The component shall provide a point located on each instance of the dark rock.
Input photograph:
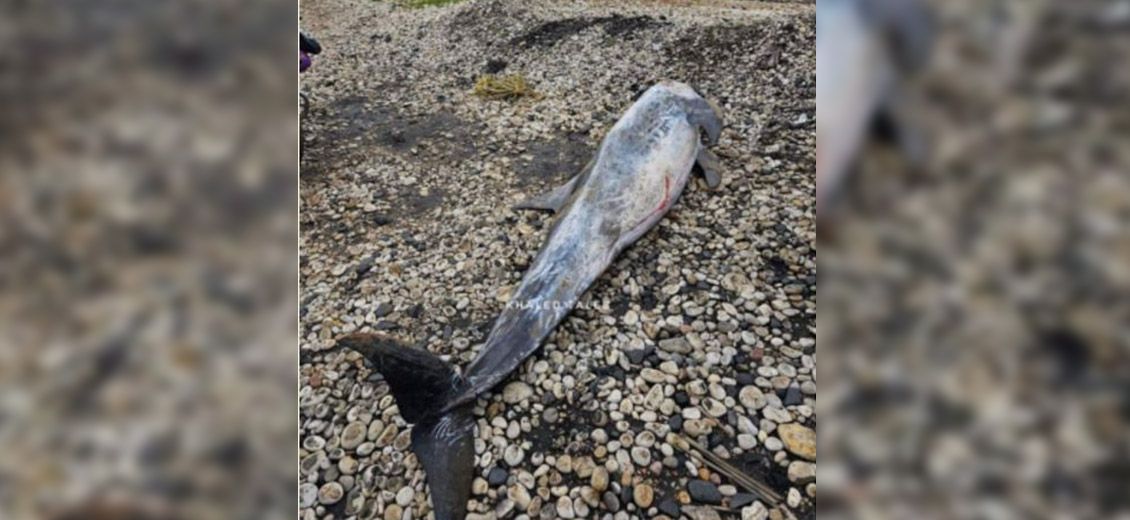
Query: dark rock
(383, 309)
(682, 399)
(676, 423)
(495, 66)
(496, 477)
(745, 379)
(669, 507)
(611, 502)
(717, 438)
(704, 492)
(793, 395)
(741, 500)
(364, 266)
(635, 356)
(626, 495)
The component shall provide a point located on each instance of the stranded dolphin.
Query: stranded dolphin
(637, 175)
(864, 49)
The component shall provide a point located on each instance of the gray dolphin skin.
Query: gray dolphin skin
(864, 49)
(640, 170)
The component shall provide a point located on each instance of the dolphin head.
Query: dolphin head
(701, 112)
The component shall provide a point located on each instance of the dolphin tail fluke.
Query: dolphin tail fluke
(445, 446)
(443, 440)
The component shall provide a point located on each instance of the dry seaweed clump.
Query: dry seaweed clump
(513, 86)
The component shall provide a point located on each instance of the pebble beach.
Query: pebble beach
(702, 330)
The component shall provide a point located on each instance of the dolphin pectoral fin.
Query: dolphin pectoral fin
(556, 198)
(708, 164)
(445, 447)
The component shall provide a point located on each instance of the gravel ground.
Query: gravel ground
(147, 266)
(704, 328)
(979, 304)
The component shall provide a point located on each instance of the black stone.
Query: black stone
(745, 378)
(705, 492)
(495, 66)
(669, 507)
(364, 266)
(635, 356)
(682, 399)
(496, 477)
(793, 396)
(741, 500)
(383, 309)
(676, 423)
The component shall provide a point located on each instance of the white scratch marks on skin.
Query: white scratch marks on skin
(445, 431)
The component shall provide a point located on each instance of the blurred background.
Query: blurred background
(148, 237)
(974, 297)
(973, 231)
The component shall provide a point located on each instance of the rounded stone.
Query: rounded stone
(799, 440)
(801, 472)
(497, 476)
(705, 492)
(641, 456)
(643, 495)
(330, 493)
(752, 398)
(516, 392)
(599, 480)
(747, 441)
(513, 455)
(564, 507)
(404, 496)
(353, 435)
(307, 495)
